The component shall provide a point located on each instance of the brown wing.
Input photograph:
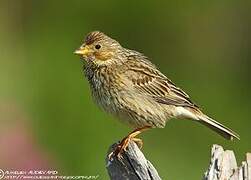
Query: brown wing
(150, 81)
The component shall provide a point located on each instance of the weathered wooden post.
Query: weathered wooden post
(134, 166)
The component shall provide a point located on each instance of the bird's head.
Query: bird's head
(98, 48)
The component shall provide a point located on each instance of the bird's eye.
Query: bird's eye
(97, 46)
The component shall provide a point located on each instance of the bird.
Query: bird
(126, 84)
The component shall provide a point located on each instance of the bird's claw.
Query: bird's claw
(122, 146)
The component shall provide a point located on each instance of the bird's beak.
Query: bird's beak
(82, 51)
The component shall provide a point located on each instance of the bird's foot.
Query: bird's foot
(122, 146)
(139, 142)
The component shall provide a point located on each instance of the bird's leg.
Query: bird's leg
(125, 141)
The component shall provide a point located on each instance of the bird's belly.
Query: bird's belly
(143, 111)
(133, 110)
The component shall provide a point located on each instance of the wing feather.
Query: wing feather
(149, 80)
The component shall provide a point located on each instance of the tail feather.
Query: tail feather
(218, 128)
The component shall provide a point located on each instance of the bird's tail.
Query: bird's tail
(217, 127)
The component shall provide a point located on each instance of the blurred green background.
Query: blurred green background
(45, 102)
